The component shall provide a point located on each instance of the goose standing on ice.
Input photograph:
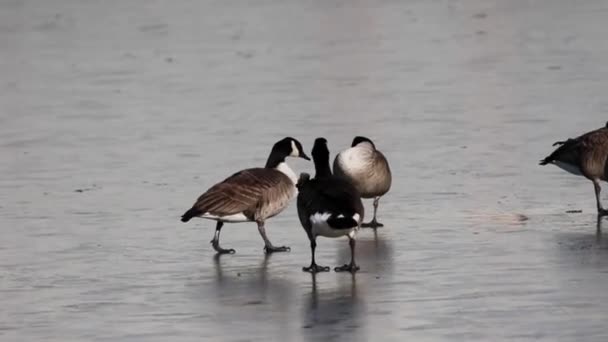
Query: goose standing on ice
(251, 195)
(367, 168)
(584, 156)
(328, 206)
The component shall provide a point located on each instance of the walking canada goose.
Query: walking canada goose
(251, 195)
(367, 168)
(328, 206)
(584, 156)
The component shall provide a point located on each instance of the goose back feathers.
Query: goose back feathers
(365, 167)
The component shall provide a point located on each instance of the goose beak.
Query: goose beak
(304, 156)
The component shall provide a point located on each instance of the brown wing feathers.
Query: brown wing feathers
(239, 193)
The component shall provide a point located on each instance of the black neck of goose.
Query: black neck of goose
(322, 169)
(274, 159)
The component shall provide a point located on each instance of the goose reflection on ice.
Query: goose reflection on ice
(251, 284)
(252, 296)
(583, 247)
(376, 253)
(334, 314)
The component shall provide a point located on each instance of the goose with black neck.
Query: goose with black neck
(587, 156)
(367, 168)
(251, 195)
(328, 206)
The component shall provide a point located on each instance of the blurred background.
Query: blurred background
(116, 115)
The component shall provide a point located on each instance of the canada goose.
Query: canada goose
(367, 168)
(584, 156)
(251, 195)
(328, 206)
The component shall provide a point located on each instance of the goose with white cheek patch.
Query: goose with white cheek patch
(367, 168)
(328, 206)
(584, 156)
(251, 195)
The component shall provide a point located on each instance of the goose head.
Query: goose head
(286, 147)
(362, 140)
(289, 147)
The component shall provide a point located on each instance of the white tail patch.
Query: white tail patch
(319, 218)
(240, 217)
(353, 233)
(573, 169)
(320, 226)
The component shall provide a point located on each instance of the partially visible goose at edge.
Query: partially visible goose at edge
(251, 195)
(328, 206)
(584, 156)
(367, 168)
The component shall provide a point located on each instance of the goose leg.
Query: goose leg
(268, 247)
(314, 268)
(374, 223)
(352, 267)
(600, 210)
(216, 241)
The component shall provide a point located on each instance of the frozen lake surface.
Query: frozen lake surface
(115, 115)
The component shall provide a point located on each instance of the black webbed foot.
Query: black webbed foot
(372, 224)
(220, 250)
(273, 249)
(314, 268)
(352, 268)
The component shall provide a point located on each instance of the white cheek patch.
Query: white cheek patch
(294, 150)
